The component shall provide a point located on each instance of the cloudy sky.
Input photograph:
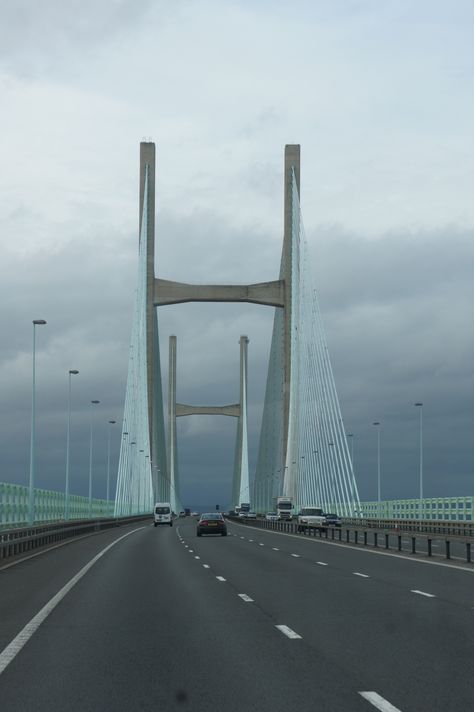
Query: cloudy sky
(379, 93)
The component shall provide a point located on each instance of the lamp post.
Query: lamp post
(31, 496)
(377, 424)
(93, 402)
(111, 422)
(72, 372)
(420, 406)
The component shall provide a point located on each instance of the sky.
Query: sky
(379, 93)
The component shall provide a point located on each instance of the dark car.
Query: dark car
(211, 523)
(333, 520)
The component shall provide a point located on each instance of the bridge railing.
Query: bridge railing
(15, 542)
(49, 506)
(381, 534)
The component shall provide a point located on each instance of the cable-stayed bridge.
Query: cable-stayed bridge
(303, 451)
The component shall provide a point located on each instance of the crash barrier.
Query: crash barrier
(14, 542)
(426, 526)
(360, 535)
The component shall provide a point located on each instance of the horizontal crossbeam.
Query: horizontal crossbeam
(271, 294)
(232, 410)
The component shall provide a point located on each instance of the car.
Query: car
(211, 523)
(271, 516)
(242, 515)
(195, 514)
(182, 513)
(333, 520)
(251, 515)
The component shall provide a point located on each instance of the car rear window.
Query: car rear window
(212, 515)
(162, 510)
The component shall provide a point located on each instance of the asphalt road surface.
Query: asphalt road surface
(163, 620)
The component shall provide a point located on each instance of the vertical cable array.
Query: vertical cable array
(318, 468)
(134, 492)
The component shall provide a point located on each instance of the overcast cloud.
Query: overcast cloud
(379, 93)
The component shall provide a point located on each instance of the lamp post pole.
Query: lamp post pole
(31, 496)
(111, 422)
(420, 406)
(377, 424)
(72, 372)
(93, 402)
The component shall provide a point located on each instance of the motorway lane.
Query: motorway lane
(27, 585)
(360, 610)
(149, 627)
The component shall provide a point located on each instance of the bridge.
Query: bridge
(303, 451)
(107, 612)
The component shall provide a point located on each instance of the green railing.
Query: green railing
(49, 506)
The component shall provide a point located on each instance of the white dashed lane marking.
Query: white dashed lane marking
(206, 566)
(379, 702)
(321, 563)
(220, 578)
(261, 544)
(356, 573)
(423, 593)
(288, 632)
(245, 598)
(197, 557)
(297, 556)
(275, 549)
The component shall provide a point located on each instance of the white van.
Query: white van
(162, 514)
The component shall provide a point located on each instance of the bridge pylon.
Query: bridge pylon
(240, 481)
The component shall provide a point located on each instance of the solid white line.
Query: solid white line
(206, 566)
(220, 578)
(366, 550)
(422, 593)
(380, 702)
(356, 573)
(297, 556)
(321, 563)
(9, 653)
(288, 632)
(245, 598)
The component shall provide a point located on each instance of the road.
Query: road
(257, 620)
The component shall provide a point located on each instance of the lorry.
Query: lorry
(311, 517)
(283, 506)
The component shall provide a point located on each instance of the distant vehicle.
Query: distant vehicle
(251, 515)
(195, 514)
(211, 523)
(271, 516)
(182, 513)
(187, 511)
(333, 520)
(311, 518)
(283, 506)
(242, 515)
(162, 514)
(244, 507)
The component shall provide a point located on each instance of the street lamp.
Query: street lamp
(111, 422)
(31, 502)
(377, 424)
(420, 406)
(93, 402)
(72, 372)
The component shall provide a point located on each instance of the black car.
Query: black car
(211, 523)
(333, 520)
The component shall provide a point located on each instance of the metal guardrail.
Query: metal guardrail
(427, 526)
(376, 537)
(14, 542)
